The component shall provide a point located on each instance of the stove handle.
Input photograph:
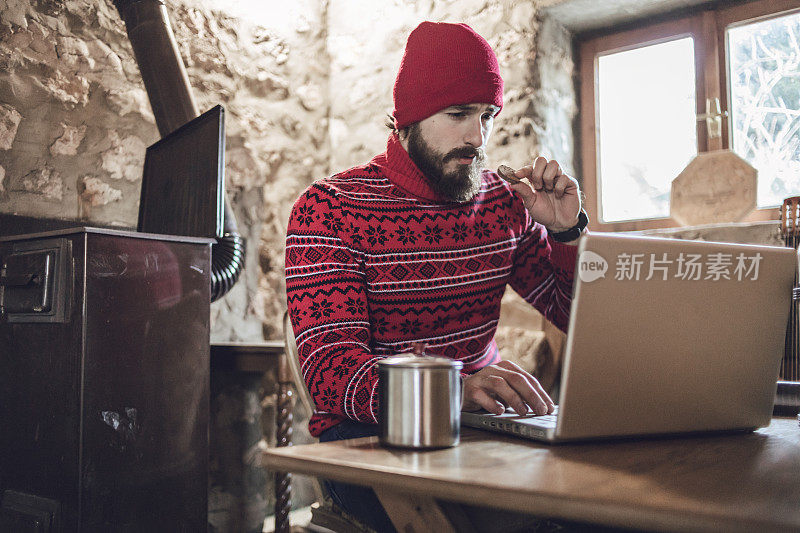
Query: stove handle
(22, 280)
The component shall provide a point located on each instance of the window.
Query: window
(764, 70)
(655, 96)
(644, 166)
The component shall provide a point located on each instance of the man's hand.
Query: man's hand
(555, 199)
(496, 386)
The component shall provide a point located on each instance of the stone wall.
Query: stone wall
(266, 62)
(74, 118)
(75, 122)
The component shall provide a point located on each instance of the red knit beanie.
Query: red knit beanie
(443, 65)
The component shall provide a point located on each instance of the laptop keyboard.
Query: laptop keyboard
(510, 415)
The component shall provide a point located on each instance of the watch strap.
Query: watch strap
(574, 232)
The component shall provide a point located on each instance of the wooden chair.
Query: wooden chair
(289, 378)
(289, 373)
(293, 364)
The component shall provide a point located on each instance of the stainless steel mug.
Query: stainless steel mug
(420, 401)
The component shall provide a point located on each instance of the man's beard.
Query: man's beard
(460, 185)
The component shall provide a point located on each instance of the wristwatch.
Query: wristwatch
(574, 232)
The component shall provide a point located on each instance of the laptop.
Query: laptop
(183, 180)
(665, 337)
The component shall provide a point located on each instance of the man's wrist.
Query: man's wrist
(552, 229)
(572, 233)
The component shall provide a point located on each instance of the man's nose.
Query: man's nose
(475, 135)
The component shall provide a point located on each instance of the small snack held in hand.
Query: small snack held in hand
(507, 173)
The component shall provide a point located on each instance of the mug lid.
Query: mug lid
(415, 361)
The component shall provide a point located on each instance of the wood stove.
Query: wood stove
(104, 380)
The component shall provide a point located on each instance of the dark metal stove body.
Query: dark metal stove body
(104, 383)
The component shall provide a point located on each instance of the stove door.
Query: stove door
(36, 281)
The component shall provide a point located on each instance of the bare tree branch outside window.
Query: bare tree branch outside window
(765, 111)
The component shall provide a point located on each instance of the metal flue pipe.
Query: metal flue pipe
(170, 94)
(160, 63)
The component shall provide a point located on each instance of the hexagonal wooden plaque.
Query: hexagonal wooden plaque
(714, 187)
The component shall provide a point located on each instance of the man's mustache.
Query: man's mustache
(466, 151)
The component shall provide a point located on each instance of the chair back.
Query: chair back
(293, 362)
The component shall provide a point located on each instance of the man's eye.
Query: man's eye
(488, 116)
(458, 114)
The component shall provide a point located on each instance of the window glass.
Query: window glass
(764, 74)
(647, 127)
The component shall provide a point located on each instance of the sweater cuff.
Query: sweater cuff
(563, 255)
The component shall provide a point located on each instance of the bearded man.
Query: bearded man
(418, 245)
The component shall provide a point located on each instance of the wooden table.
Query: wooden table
(743, 482)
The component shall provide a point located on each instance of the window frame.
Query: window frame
(708, 29)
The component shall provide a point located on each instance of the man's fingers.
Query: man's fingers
(529, 390)
(505, 383)
(551, 171)
(560, 185)
(483, 400)
(542, 174)
(540, 401)
(564, 183)
(515, 389)
(526, 194)
(511, 365)
(537, 173)
(501, 386)
(560, 194)
(549, 404)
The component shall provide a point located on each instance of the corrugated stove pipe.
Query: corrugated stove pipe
(170, 94)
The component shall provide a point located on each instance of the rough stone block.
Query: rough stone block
(69, 141)
(244, 171)
(9, 121)
(74, 52)
(105, 57)
(267, 85)
(20, 39)
(41, 47)
(71, 90)
(310, 96)
(125, 158)
(82, 9)
(13, 12)
(123, 101)
(54, 23)
(714, 187)
(44, 181)
(2, 178)
(96, 192)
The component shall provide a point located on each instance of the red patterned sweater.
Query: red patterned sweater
(376, 260)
